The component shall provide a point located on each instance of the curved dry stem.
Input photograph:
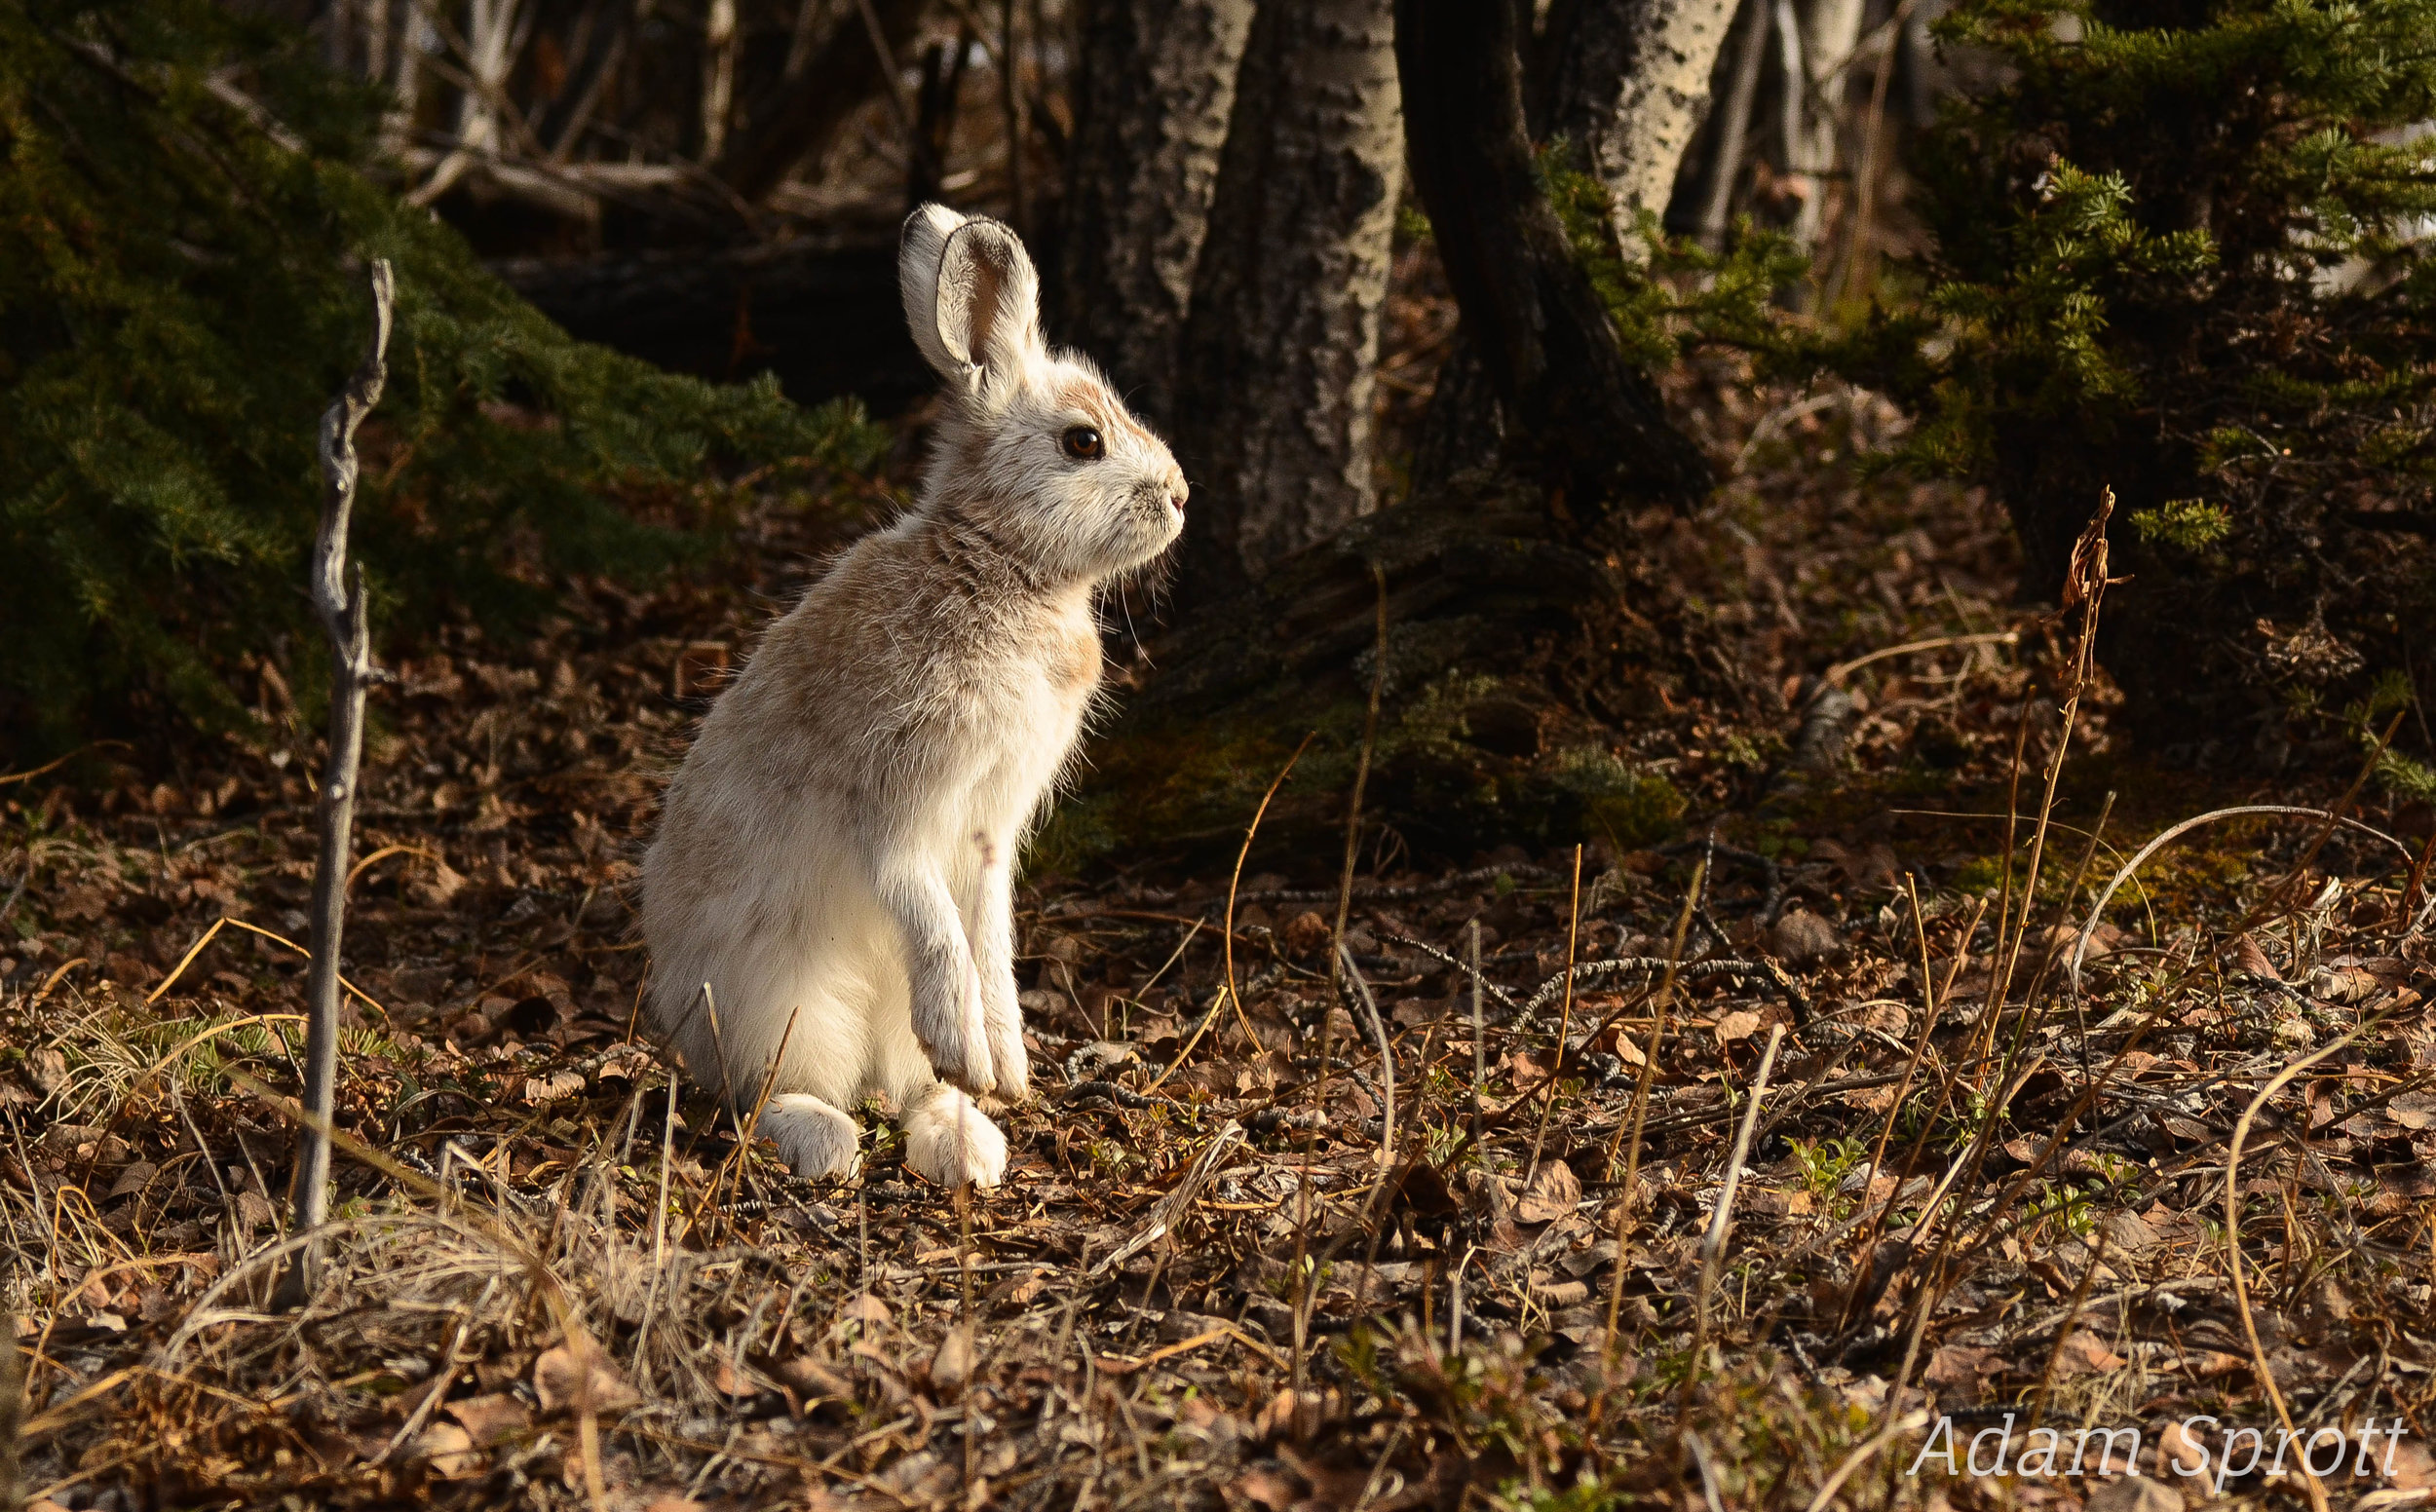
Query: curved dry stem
(2232, 1248)
(2097, 910)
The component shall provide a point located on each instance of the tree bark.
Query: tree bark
(1274, 411)
(795, 119)
(1723, 172)
(1629, 86)
(1574, 414)
(1156, 90)
(1814, 90)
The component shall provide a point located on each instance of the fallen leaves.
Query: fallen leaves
(1554, 1192)
(577, 1377)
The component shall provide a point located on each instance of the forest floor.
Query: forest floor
(1272, 1265)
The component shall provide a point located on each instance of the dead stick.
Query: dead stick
(1713, 1245)
(338, 597)
(2232, 1249)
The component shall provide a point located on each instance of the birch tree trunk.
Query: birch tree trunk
(1151, 110)
(1829, 30)
(1272, 419)
(1629, 86)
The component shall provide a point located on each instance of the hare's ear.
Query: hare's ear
(976, 315)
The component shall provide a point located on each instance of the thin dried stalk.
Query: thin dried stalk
(338, 597)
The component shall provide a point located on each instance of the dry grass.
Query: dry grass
(1968, 1187)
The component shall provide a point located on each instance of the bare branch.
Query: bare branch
(338, 597)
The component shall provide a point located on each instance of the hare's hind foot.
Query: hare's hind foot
(949, 1140)
(814, 1138)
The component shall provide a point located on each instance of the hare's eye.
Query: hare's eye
(1081, 442)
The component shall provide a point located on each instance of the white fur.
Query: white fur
(838, 848)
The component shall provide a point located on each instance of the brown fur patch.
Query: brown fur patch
(1094, 400)
(1082, 662)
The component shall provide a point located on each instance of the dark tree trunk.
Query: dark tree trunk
(1272, 420)
(1509, 647)
(796, 117)
(1151, 108)
(1574, 414)
(934, 119)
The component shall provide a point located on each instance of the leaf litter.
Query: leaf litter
(1216, 1276)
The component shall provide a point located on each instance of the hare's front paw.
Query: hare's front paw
(1008, 1062)
(949, 1140)
(954, 1031)
(816, 1138)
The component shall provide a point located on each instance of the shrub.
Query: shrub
(2177, 250)
(182, 291)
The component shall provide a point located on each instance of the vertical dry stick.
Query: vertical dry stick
(1335, 978)
(1226, 932)
(1641, 1106)
(338, 597)
(1713, 1244)
(1885, 1134)
(1657, 1034)
(1361, 780)
(1563, 1022)
(964, 1324)
(1479, 1037)
(1386, 1056)
(2417, 887)
(718, 78)
(1734, 114)
(658, 1231)
(2084, 589)
(2004, 897)
(897, 102)
(12, 1414)
(2064, 1330)
(2232, 1248)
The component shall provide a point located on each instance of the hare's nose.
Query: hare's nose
(1177, 493)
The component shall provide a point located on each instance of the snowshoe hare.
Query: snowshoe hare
(837, 848)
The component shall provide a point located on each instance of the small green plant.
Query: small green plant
(1672, 296)
(2192, 524)
(1825, 1163)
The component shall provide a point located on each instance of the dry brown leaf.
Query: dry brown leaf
(1960, 1368)
(814, 1380)
(2128, 1233)
(1802, 938)
(2085, 1353)
(490, 1419)
(2251, 960)
(1740, 1024)
(553, 1087)
(580, 1377)
(2135, 1494)
(1554, 1192)
(447, 1448)
(2414, 1466)
(1305, 932)
(951, 1366)
(1527, 1068)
